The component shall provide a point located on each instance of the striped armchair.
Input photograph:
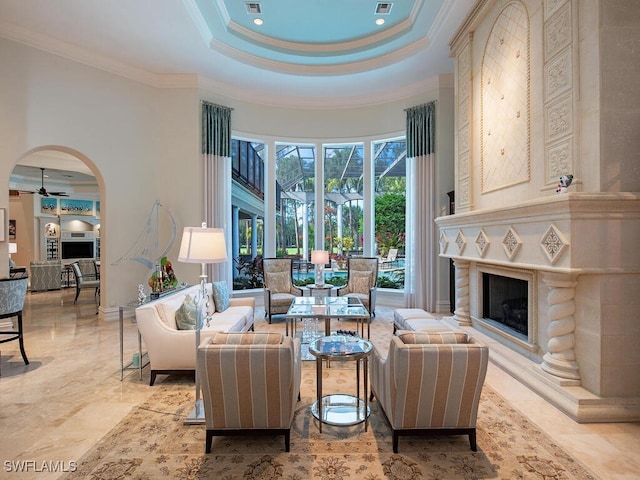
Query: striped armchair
(430, 383)
(250, 384)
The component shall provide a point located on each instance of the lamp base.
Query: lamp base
(196, 417)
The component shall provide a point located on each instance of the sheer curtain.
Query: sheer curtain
(420, 253)
(216, 156)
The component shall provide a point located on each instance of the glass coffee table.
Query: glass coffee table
(342, 409)
(315, 309)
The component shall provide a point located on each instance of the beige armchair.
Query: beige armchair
(430, 383)
(362, 278)
(250, 384)
(279, 290)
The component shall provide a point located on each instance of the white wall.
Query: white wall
(143, 143)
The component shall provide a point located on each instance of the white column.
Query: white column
(461, 313)
(235, 237)
(560, 357)
(305, 231)
(368, 205)
(339, 214)
(319, 198)
(269, 224)
(254, 235)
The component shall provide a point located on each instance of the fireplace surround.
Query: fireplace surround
(578, 256)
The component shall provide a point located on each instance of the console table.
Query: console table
(143, 358)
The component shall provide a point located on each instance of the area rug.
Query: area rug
(152, 443)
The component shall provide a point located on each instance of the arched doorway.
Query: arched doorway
(55, 202)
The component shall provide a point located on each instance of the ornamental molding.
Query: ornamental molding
(482, 243)
(461, 242)
(444, 241)
(511, 243)
(553, 244)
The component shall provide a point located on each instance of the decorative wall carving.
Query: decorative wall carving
(504, 97)
(558, 32)
(444, 241)
(463, 118)
(482, 243)
(560, 119)
(558, 75)
(559, 161)
(552, 6)
(461, 242)
(553, 244)
(511, 243)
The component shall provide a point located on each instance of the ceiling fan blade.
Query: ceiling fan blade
(59, 194)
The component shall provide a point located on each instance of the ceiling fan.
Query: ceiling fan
(43, 191)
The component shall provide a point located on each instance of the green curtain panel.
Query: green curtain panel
(216, 130)
(421, 130)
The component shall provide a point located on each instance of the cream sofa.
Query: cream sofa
(172, 350)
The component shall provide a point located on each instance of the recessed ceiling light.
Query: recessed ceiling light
(258, 21)
(379, 21)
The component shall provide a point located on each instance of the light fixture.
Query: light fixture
(201, 245)
(379, 21)
(13, 248)
(258, 21)
(319, 258)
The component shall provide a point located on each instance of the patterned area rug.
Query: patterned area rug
(152, 443)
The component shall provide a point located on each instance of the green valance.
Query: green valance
(421, 130)
(216, 129)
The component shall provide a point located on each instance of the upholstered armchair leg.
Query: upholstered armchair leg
(77, 293)
(472, 440)
(395, 441)
(21, 340)
(152, 378)
(287, 438)
(209, 441)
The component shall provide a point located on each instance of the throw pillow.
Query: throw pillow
(279, 282)
(220, 296)
(187, 314)
(434, 338)
(359, 281)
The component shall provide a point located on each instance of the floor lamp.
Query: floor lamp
(201, 245)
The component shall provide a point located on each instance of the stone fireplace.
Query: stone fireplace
(529, 109)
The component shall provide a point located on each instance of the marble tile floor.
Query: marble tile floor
(70, 395)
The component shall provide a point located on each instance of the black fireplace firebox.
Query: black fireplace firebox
(505, 301)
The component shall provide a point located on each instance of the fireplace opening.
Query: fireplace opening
(505, 300)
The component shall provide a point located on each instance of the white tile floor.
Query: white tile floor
(71, 395)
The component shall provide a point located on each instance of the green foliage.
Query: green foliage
(250, 274)
(393, 280)
(390, 221)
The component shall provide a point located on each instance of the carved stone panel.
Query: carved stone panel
(558, 32)
(560, 118)
(558, 75)
(559, 161)
(505, 94)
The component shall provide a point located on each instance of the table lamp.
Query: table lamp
(13, 248)
(201, 245)
(319, 258)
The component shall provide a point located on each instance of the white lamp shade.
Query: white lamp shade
(202, 245)
(13, 247)
(319, 257)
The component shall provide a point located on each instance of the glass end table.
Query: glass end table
(342, 409)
